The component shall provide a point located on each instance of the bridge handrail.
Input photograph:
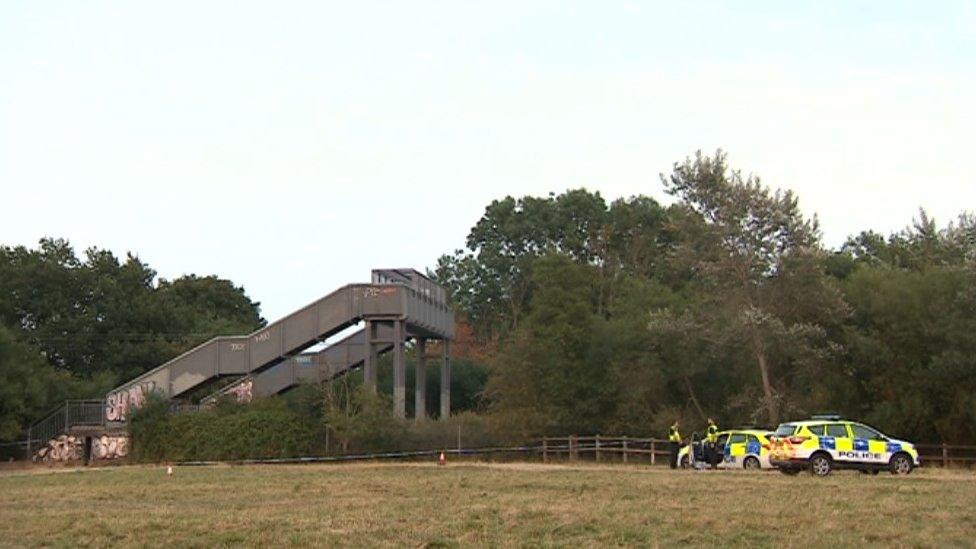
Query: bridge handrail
(59, 420)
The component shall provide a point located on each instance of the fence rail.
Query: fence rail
(627, 448)
(73, 413)
(654, 450)
(624, 449)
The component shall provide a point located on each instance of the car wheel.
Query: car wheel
(820, 465)
(751, 463)
(901, 464)
(789, 471)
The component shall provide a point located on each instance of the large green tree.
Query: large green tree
(491, 281)
(545, 377)
(29, 386)
(756, 265)
(76, 326)
(97, 314)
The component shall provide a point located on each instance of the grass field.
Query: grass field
(481, 504)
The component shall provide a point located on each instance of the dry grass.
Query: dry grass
(480, 504)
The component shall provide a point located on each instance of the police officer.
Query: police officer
(674, 442)
(711, 440)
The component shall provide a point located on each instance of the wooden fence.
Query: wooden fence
(947, 454)
(656, 451)
(625, 449)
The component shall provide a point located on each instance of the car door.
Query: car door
(735, 450)
(753, 446)
(837, 440)
(722, 447)
(870, 446)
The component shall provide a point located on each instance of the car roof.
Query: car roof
(807, 422)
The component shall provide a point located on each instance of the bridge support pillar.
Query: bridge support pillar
(445, 379)
(420, 382)
(399, 371)
(370, 362)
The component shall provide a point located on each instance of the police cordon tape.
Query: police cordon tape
(362, 457)
(554, 448)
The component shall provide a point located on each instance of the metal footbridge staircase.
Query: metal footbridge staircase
(396, 306)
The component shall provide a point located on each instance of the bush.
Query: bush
(264, 429)
(356, 419)
(360, 421)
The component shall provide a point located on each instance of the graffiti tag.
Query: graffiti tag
(118, 404)
(376, 292)
(242, 391)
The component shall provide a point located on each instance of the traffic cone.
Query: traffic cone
(442, 460)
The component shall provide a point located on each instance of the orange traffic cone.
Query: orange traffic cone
(442, 460)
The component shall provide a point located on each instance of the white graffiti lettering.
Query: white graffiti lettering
(118, 404)
(72, 448)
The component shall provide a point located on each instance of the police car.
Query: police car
(824, 443)
(741, 449)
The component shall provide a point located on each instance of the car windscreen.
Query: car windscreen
(785, 430)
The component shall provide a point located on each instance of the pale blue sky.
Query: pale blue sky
(292, 146)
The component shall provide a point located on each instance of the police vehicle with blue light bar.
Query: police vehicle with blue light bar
(824, 443)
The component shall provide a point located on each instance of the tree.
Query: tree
(97, 320)
(912, 343)
(360, 417)
(100, 315)
(922, 244)
(29, 386)
(545, 378)
(756, 265)
(491, 282)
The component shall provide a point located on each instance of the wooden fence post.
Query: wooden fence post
(945, 455)
(572, 448)
(545, 450)
(624, 442)
(596, 446)
(652, 451)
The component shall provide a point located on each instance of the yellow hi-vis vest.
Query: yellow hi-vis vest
(712, 433)
(674, 435)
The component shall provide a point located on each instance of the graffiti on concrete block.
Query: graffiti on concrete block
(242, 391)
(72, 448)
(62, 448)
(109, 447)
(118, 404)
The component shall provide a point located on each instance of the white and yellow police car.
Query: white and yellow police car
(825, 443)
(739, 449)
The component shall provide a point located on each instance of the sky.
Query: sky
(293, 146)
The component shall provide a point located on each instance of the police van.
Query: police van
(827, 442)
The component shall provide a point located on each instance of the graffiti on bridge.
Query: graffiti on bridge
(242, 391)
(72, 448)
(110, 447)
(118, 404)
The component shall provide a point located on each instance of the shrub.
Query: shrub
(266, 428)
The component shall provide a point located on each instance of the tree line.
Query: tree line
(591, 317)
(74, 327)
(620, 317)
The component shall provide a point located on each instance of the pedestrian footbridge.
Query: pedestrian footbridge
(397, 305)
